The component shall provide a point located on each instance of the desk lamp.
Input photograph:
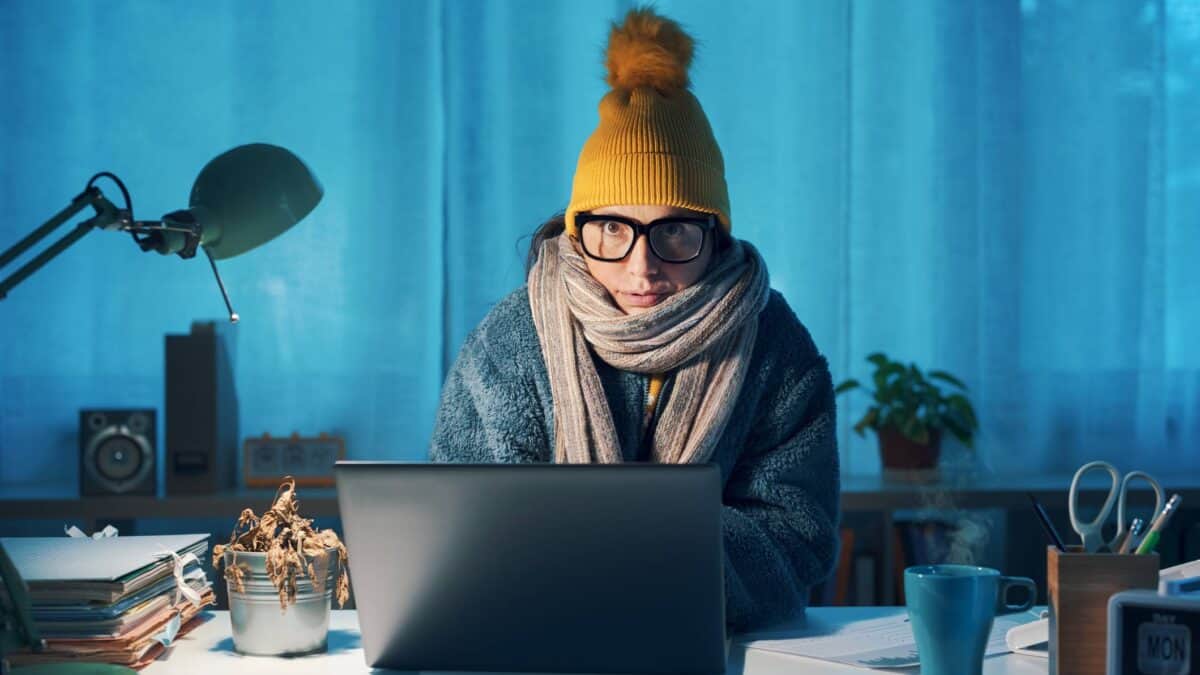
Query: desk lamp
(17, 630)
(241, 200)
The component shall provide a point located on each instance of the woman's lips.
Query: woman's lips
(643, 299)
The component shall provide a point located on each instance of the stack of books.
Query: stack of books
(115, 600)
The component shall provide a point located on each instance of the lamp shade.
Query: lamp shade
(249, 195)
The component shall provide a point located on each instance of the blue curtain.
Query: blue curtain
(1006, 190)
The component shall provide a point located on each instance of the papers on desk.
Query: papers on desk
(873, 643)
(115, 600)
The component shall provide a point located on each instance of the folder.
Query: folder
(111, 600)
(92, 611)
(134, 649)
(67, 627)
(65, 570)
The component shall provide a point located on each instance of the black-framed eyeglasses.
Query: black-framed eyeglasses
(674, 239)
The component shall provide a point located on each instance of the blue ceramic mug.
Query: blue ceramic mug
(951, 608)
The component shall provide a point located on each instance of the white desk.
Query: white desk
(209, 649)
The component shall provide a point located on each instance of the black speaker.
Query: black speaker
(116, 452)
(201, 410)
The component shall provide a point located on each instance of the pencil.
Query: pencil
(1051, 533)
(1135, 528)
(1160, 522)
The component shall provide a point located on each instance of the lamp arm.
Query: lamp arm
(106, 215)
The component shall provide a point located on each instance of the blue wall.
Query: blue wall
(1008, 190)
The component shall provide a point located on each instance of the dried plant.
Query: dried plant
(292, 546)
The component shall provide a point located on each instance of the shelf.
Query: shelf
(859, 494)
(989, 491)
(57, 502)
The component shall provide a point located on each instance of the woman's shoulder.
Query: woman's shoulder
(786, 372)
(507, 330)
(782, 333)
(511, 310)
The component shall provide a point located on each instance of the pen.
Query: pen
(1160, 522)
(1135, 528)
(1046, 524)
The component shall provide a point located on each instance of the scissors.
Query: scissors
(1093, 540)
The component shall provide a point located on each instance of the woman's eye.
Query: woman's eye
(612, 228)
(672, 229)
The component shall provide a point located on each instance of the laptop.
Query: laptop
(536, 567)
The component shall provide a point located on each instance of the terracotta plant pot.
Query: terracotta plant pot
(900, 453)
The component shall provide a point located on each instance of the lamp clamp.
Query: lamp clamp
(184, 221)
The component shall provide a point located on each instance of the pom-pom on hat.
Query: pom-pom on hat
(653, 144)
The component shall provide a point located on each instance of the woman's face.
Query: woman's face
(640, 280)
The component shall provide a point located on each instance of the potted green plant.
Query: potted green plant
(909, 412)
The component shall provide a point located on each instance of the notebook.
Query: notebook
(70, 569)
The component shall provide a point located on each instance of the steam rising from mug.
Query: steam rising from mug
(970, 531)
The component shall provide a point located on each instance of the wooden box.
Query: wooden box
(1080, 586)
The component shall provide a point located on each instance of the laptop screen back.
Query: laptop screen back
(536, 567)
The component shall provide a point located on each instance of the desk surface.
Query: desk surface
(209, 649)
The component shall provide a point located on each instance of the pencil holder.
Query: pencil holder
(1080, 585)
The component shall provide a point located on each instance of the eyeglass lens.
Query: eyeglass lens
(672, 241)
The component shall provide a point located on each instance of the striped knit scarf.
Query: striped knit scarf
(706, 331)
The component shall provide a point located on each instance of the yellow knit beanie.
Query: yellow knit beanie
(653, 144)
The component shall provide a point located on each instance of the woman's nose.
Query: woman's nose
(641, 260)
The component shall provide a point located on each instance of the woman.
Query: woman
(646, 332)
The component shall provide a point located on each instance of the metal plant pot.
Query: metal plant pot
(260, 627)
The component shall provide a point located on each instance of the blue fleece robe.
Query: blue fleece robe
(778, 454)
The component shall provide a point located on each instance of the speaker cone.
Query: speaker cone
(118, 458)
